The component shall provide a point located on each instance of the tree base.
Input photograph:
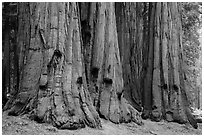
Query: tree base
(118, 110)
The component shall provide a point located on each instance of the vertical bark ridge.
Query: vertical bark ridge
(80, 60)
(107, 65)
(156, 82)
(54, 80)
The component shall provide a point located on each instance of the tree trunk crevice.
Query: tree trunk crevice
(79, 62)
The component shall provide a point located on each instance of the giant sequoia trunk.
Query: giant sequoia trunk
(158, 65)
(103, 65)
(10, 76)
(131, 27)
(76, 62)
(52, 87)
(58, 84)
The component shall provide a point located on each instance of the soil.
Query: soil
(16, 125)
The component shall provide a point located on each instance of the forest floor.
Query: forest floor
(23, 126)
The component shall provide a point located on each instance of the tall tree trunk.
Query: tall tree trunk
(168, 82)
(52, 87)
(78, 62)
(10, 54)
(130, 35)
(6, 67)
(104, 67)
(161, 75)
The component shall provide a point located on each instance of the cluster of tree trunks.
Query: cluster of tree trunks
(150, 41)
(77, 62)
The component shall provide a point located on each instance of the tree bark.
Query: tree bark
(160, 69)
(10, 57)
(104, 67)
(79, 61)
(168, 74)
(52, 85)
(130, 34)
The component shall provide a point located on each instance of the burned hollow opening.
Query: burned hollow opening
(107, 82)
(79, 80)
(57, 53)
(55, 59)
(94, 72)
(165, 86)
(175, 87)
(119, 94)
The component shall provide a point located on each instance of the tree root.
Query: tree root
(119, 110)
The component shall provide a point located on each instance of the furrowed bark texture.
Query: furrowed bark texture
(167, 90)
(52, 77)
(158, 71)
(74, 62)
(163, 93)
(130, 37)
(10, 57)
(104, 68)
